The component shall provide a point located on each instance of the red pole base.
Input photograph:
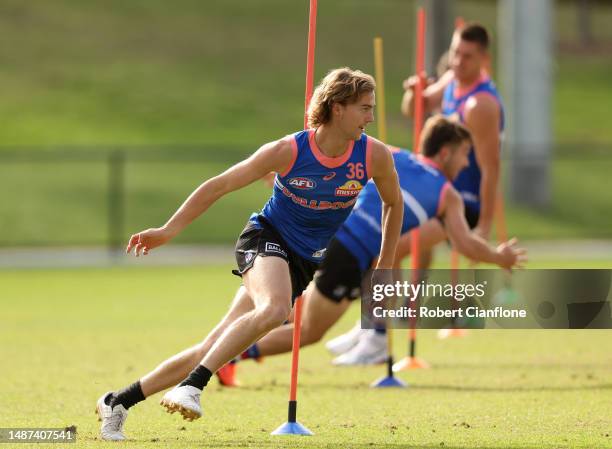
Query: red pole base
(410, 363)
(452, 333)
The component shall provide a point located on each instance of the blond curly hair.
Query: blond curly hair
(342, 86)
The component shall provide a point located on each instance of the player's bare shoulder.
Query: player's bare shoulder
(380, 158)
(452, 196)
(281, 148)
(481, 105)
(451, 201)
(278, 154)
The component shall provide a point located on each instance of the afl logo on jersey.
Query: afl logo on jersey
(349, 188)
(302, 183)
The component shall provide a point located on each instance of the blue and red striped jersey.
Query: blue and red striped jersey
(316, 193)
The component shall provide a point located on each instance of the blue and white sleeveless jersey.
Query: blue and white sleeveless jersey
(422, 185)
(316, 193)
(453, 105)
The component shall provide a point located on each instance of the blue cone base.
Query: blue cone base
(388, 381)
(292, 428)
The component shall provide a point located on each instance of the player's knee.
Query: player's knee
(311, 334)
(273, 314)
(200, 351)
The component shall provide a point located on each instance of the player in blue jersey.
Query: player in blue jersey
(427, 193)
(467, 94)
(320, 172)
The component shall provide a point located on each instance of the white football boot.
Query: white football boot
(345, 342)
(185, 400)
(370, 350)
(112, 419)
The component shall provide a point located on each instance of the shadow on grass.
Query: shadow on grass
(293, 442)
(517, 365)
(440, 387)
(511, 389)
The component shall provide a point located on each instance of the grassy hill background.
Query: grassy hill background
(189, 87)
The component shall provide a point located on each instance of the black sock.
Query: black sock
(198, 378)
(129, 396)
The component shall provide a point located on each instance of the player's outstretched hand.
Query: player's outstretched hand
(512, 256)
(145, 241)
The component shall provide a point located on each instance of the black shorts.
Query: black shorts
(265, 241)
(339, 275)
(471, 216)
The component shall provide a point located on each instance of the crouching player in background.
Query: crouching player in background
(427, 193)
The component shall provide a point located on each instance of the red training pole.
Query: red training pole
(412, 362)
(419, 112)
(454, 257)
(312, 34)
(292, 427)
(297, 321)
(295, 352)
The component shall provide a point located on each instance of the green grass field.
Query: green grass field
(66, 336)
(203, 82)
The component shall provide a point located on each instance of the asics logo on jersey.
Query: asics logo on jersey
(329, 176)
(349, 188)
(302, 183)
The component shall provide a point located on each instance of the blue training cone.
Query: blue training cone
(292, 428)
(388, 381)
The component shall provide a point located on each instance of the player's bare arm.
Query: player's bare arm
(470, 244)
(273, 156)
(402, 250)
(432, 95)
(482, 116)
(385, 178)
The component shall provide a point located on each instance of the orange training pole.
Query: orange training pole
(295, 350)
(312, 33)
(412, 362)
(454, 257)
(292, 427)
(419, 111)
